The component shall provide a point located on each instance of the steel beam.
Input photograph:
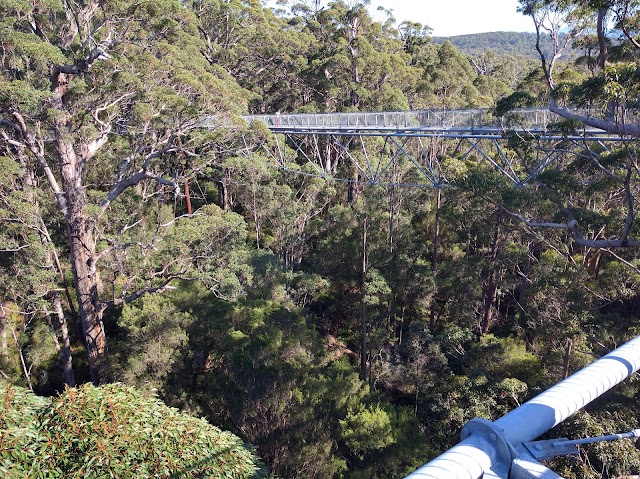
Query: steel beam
(497, 448)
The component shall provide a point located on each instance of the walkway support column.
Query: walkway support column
(498, 449)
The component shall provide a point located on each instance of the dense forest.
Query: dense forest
(335, 329)
(503, 43)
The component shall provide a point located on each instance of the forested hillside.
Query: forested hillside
(345, 330)
(503, 43)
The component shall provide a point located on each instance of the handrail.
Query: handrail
(498, 449)
(476, 119)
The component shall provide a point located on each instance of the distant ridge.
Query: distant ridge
(504, 43)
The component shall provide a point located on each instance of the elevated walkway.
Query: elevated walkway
(368, 147)
(430, 122)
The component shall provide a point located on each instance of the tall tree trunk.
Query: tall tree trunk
(353, 191)
(52, 261)
(363, 347)
(489, 298)
(187, 195)
(603, 57)
(522, 298)
(525, 275)
(490, 289)
(567, 358)
(434, 258)
(23, 362)
(64, 350)
(81, 248)
(392, 212)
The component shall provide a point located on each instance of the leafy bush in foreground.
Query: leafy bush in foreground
(113, 431)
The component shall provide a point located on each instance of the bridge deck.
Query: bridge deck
(420, 122)
(408, 138)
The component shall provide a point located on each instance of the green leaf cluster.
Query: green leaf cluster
(112, 431)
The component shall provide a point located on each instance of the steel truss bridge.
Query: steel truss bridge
(436, 144)
(519, 146)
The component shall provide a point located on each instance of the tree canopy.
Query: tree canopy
(344, 329)
(113, 430)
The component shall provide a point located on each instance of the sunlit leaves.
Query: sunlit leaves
(89, 432)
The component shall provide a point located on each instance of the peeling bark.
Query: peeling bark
(82, 246)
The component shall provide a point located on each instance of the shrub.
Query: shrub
(113, 431)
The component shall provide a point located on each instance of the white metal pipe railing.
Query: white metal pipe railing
(492, 448)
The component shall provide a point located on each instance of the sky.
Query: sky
(453, 17)
(458, 17)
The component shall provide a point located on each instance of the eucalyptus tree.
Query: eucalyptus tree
(263, 52)
(448, 81)
(605, 99)
(32, 280)
(101, 101)
(357, 63)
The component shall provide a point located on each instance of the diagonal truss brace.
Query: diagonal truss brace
(409, 147)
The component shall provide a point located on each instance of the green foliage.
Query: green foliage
(154, 333)
(467, 310)
(366, 429)
(504, 43)
(508, 358)
(448, 82)
(113, 431)
(20, 438)
(518, 99)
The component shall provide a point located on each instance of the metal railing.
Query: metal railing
(437, 120)
(503, 448)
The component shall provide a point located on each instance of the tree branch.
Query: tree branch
(37, 150)
(622, 260)
(141, 292)
(572, 227)
(122, 186)
(14, 250)
(120, 247)
(605, 125)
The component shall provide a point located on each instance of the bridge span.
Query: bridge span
(437, 148)
(440, 147)
(368, 147)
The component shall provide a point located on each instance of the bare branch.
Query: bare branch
(120, 247)
(605, 125)
(622, 15)
(14, 250)
(169, 223)
(125, 228)
(572, 227)
(37, 150)
(629, 200)
(132, 297)
(90, 149)
(594, 158)
(622, 260)
(122, 186)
